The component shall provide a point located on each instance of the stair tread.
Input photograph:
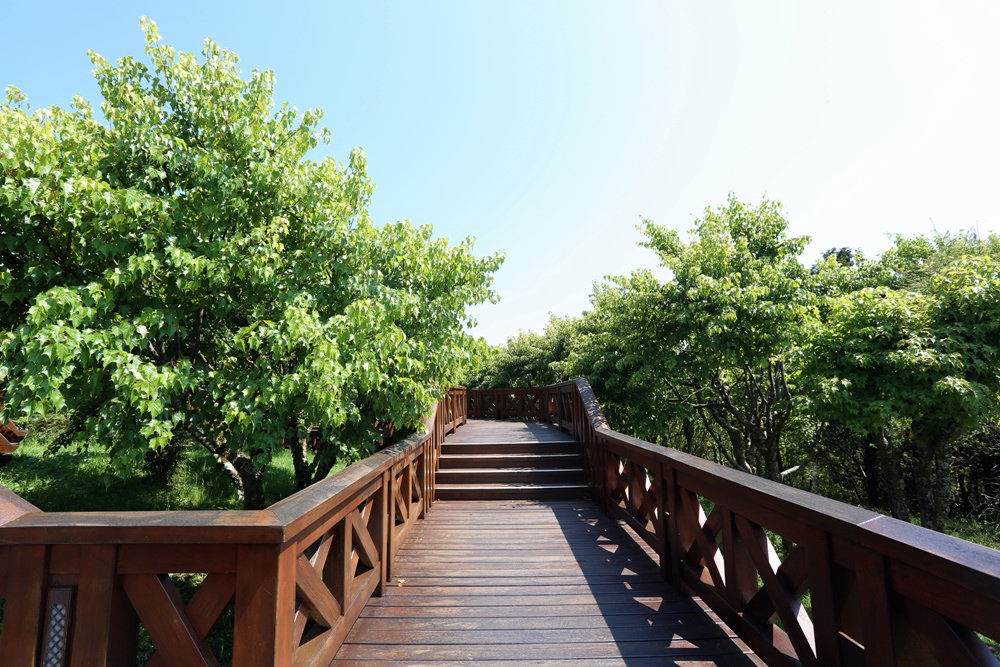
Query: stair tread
(513, 442)
(520, 448)
(509, 485)
(474, 471)
(486, 465)
(512, 455)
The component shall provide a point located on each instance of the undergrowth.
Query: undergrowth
(75, 479)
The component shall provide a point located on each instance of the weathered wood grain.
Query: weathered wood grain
(470, 585)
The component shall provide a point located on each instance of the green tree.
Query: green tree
(529, 359)
(183, 267)
(913, 372)
(621, 348)
(912, 261)
(869, 365)
(737, 307)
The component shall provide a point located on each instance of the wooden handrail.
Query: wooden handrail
(880, 591)
(77, 585)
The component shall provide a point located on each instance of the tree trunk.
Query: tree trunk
(869, 466)
(688, 426)
(300, 461)
(323, 466)
(299, 447)
(942, 488)
(934, 482)
(252, 483)
(895, 494)
(238, 467)
(769, 445)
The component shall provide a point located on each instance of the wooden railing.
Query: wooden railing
(77, 585)
(850, 587)
(505, 403)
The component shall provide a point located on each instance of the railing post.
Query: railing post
(598, 470)
(423, 476)
(824, 610)
(24, 605)
(338, 565)
(875, 612)
(673, 528)
(124, 639)
(663, 502)
(94, 595)
(609, 470)
(383, 510)
(390, 517)
(264, 606)
(741, 575)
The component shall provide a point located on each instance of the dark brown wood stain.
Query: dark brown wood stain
(508, 582)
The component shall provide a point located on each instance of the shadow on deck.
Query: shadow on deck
(501, 582)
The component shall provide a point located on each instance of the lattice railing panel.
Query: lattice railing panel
(632, 491)
(733, 563)
(178, 628)
(280, 586)
(506, 403)
(334, 575)
(801, 579)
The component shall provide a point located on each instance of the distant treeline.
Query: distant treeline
(870, 380)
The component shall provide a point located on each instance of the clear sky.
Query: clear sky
(548, 129)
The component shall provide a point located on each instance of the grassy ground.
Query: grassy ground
(72, 480)
(980, 532)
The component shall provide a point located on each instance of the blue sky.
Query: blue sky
(548, 129)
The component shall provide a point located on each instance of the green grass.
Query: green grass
(80, 480)
(980, 532)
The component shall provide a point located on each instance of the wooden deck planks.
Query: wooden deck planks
(479, 431)
(532, 583)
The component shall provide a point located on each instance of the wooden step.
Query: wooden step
(512, 471)
(524, 447)
(477, 476)
(510, 460)
(511, 491)
(504, 460)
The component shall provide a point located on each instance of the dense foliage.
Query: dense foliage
(874, 381)
(527, 360)
(182, 268)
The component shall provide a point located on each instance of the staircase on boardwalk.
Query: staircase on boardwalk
(486, 460)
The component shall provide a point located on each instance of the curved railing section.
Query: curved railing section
(802, 579)
(77, 585)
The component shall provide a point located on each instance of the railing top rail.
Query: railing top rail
(173, 527)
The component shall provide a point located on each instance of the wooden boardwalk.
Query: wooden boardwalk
(520, 582)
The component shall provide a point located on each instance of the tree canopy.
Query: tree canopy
(528, 359)
(182, 266)
(736, 306)
(857, 377)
